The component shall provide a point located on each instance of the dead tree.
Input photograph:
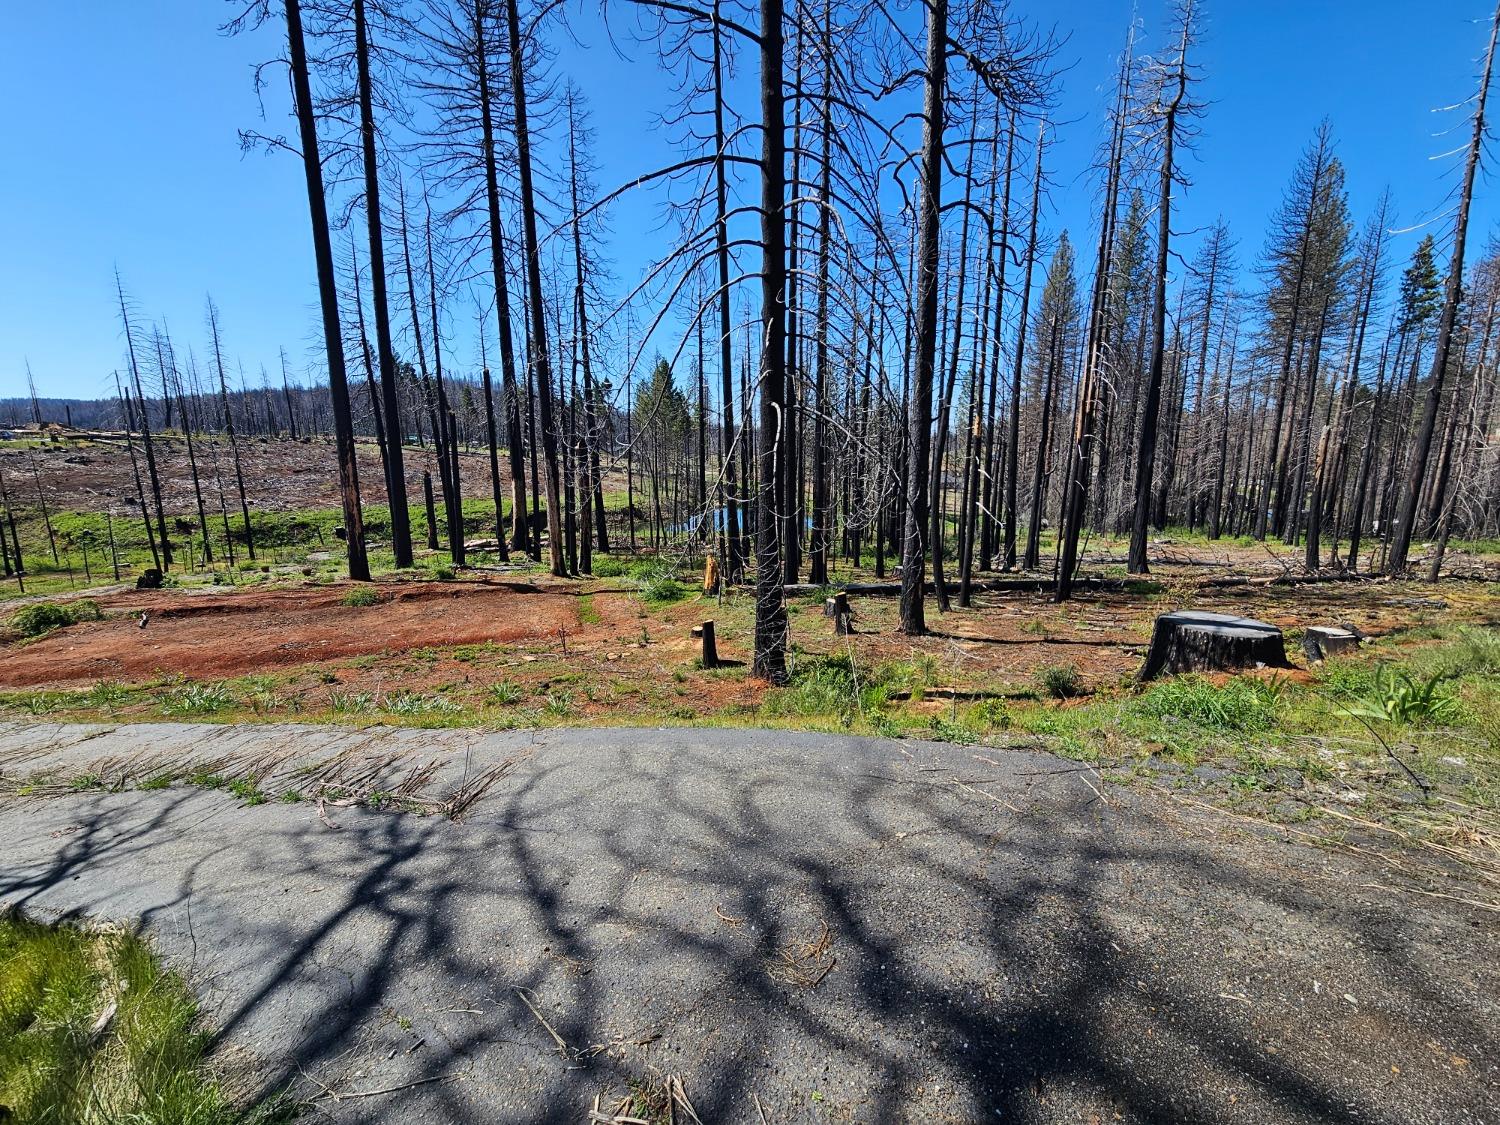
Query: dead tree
(354, 529)
(1146, 442)
(395, 434)
(1452, 296)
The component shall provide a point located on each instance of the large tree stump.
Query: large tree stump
(1190, 641)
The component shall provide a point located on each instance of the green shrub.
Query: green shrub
(609, 566)
(661, 587)
(361, 596)
(1061, 681)
(991, 713)
(1242, 704)
(443, 573)
(43, 617)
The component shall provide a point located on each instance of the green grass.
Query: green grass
(362, 596)
(588, 613)
(1241, 705)
(62, 1061)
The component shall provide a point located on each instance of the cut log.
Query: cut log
(710, 647)
(1190, 641)
(986, 586)
(1321, 642)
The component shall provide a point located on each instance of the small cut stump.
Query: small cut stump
(705, 633)
(1190, 641)
(1321, 642)
(838, 610)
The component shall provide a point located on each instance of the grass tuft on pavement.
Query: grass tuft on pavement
(93, 1030)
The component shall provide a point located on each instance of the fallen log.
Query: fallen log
(1193, 641)
(988, 586)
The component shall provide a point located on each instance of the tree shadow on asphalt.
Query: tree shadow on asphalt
(1005, 945)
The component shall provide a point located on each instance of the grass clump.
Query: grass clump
(62, 1060)
(412, 703)
(1061, 681)
(362, 597)
(42, 617)
(198, 699)
(1242, 705)
(507, 693)
(829, 687)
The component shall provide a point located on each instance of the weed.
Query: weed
(1344, 679)
(558, 704)
(409, 703)
(945, 730)
(506, 693)
(362, 596)
(443, 573)
(246, 790)
(351, 702)
(157, 781)
(198, 699)
(1396, 697)
(1061, 681)
(1475, 652)
(992, 714)
(86, 781)
(106, 693)
(823, 686)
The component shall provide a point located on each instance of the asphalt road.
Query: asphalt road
(799, 927)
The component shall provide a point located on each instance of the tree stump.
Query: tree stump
(1320, 642)
(1190, 641)
(837, 607)
(150, 579)
(710, 648)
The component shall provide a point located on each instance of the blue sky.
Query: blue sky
(119, 134)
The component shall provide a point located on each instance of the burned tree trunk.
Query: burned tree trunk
(359, 567)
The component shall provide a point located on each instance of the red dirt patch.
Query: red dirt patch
(216, 636)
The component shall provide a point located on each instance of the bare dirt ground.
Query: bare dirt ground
(280, 475)
(211, 636)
